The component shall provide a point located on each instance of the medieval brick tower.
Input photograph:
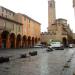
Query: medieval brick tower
(51, 14)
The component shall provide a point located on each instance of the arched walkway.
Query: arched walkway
(12, 40)
(24, 41)
(4, 37)
(0, 42)
(33, 42)
(29, 41)
(18, 41)
(36, 40)
(73, 41)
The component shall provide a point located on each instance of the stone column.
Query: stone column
(26, 43)
(21, 43)
(0, 42)
(8, 42)
(15, 42)
(30, 43)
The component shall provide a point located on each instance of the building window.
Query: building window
(2, 14)
(9, 13)
(50, 4)
(13, 26)
(29, 25)
(53, 24)
(6, 16)
(2, 9)
(54, 33)
(5, 25)
(29, 20)
(19, 29)
(6, 12)
(25, 18)
(13, 14)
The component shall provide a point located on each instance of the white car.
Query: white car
(57, 45)
(70, 45)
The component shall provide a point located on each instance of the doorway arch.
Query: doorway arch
(12, 40)
(64, 42)
(18, 41)
(36, 40)
(29, 41)
(33, 41)
(4, 37)
(24, 41)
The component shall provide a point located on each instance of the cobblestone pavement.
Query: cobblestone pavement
(45, 63)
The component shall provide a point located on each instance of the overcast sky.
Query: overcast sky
(38, 10)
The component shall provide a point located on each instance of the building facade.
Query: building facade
(31, 30)
(58, 29)
(9, 28)
(15, 31)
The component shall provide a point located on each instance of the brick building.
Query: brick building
(31, 30)
(15, 32)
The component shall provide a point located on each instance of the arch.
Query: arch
(4, 37)
(24, 41)
(4, 34)
(12, 40)
(36, 40)
(33, 42)
(18, 41)
(73, 41)
(29, 41)
(0, 41)
(24, 38)
(18, 37)
(64, 42)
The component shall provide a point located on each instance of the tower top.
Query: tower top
(73, 3)
(50, 0)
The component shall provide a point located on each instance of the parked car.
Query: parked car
(38, 46)
(70, 45)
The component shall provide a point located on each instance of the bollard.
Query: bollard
(66, 66)
(33, 53)
(1, 60)
(73, 73)
(4, 59)
(69, 60)
(49, 50)
(23, 56)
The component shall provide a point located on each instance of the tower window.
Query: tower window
(53, 24)
(50, 4)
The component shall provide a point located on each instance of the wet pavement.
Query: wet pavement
(44, 63)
